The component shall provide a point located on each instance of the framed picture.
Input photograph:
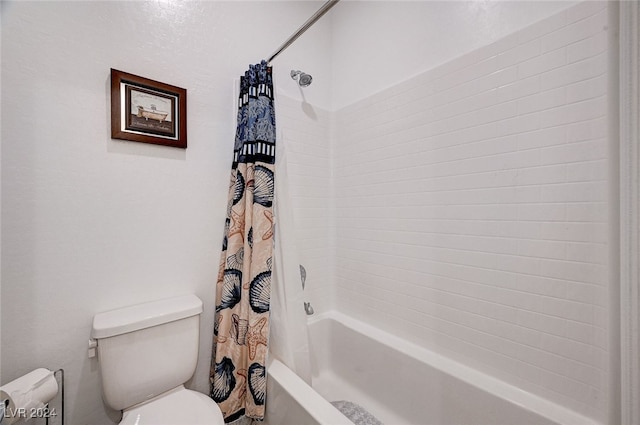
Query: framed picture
(147, 111)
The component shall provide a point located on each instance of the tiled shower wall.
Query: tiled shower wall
(471, 208)
(305, 132)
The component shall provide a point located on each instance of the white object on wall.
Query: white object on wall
(27, 395)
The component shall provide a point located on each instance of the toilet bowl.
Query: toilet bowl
(175, 407)
(146, 353)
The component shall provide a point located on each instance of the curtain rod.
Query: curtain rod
(312, 20)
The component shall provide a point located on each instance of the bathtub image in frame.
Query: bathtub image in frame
(147, 111)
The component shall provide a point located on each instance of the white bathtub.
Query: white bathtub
(398, 382)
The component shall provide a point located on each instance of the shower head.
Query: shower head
(303, 79)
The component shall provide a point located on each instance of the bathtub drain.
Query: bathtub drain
(356, 413)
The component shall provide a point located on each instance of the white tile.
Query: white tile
(573, 73)
(520, 88)
(587, 171)
(521, 124)
(542, 249)
(588, 253)
(572, 33)
(519, 54)
(495, 113)
(587, 89)
(541, 101)
(571, 232)
(542, 322)
(540, 138)
(470, 208)
(587, 130)
(539, 285)
(587, 48)
(468, 73)
(580, 332)
(542, 212)
(569, 153)
(579, 272)
(575, 192)
(588, 211)
(545, 62)
(581, 111)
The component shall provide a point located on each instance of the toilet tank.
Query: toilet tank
(147, 349)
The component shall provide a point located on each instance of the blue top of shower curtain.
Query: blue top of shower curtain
(256, 132)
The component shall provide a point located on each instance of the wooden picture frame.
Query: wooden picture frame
(147, 111)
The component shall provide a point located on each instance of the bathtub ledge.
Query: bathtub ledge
(316, 406)
(543, 407)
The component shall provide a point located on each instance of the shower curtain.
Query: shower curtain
(243, 289)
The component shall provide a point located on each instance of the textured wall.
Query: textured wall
(89, 223)
(472, 209)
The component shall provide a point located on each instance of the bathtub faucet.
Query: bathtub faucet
(308, 308)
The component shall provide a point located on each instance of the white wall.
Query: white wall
(472, 207)
(376, 44)
(90, 223)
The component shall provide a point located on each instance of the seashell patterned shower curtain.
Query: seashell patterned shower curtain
(243, 289)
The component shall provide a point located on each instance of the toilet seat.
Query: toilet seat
(178, 406)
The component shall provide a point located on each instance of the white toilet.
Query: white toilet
(146, 353)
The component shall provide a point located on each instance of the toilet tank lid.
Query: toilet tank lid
(141, 316)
